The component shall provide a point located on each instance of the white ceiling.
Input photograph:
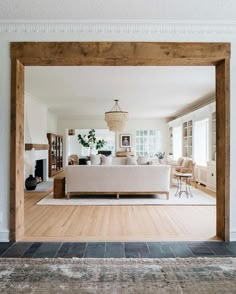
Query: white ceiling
(121, 10)
(76, 92)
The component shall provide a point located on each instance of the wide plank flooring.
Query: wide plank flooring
(117, 223)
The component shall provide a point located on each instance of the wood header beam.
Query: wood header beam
(118, 53)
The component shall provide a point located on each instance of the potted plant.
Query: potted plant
(90, 141)
(161, 156)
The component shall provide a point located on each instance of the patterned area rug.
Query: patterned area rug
(190, 275)
(199, 198)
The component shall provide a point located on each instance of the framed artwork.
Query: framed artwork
(125, 140)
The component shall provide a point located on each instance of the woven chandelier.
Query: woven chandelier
(116, 118)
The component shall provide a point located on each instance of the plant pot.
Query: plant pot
(92, 150)
(161, 160)
(30, 183)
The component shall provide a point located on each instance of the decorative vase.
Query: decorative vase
(161, 160)
(30, 183)
(92, 149)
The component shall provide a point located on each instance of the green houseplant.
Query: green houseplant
(90, 140)
(161, 156)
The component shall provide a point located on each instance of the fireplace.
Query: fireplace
(41, 170)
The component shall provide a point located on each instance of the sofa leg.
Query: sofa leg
(167, 195)
(68, 195)
(117, 196)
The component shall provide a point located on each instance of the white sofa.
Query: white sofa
(118, 179)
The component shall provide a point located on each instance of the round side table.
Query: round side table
(181, 188)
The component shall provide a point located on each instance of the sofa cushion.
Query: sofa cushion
(95, 159)
(119, 160)
(106, 160)
(132, 160)
(154, 161)
(142, 160)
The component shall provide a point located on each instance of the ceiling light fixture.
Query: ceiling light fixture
(116, 118)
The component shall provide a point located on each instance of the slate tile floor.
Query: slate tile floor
(116, 249)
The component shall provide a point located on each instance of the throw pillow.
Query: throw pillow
(95, 159)
(106, 160)
(142, 160)
(132, 160)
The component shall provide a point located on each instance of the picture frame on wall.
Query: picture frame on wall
(125, 140)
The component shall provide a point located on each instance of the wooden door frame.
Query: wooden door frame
(119, 54)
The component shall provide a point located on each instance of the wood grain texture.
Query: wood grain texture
(117, 223)
(17, 151)
(119, 53)
(223, 147)
(36, 146)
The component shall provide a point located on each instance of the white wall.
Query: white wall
(131, 127)
(35, 121)
(153, 31)
(51, 122)
(144, 124)
(38, 121)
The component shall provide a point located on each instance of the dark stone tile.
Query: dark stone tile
(160, 250)
(200, 250)
(231, 246)
(30, 252)
(181, 250)
(47, 250)
(70, 249)
(136, 250)
(115, 250)
(4, 246)
(220, 248)
(17, 249)
(95, 249)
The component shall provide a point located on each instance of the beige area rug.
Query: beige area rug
(125, 276)
(199, 198)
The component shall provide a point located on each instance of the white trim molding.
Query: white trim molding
(4, 236)
(119, 27)
(233, 234)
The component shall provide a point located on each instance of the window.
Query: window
(201, 142)
(177, 142)
(148, 142)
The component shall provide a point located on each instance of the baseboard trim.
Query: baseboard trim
(4, 236)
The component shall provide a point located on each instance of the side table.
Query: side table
(181, 178)
(59, 188)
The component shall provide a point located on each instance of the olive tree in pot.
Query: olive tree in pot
(90, 141)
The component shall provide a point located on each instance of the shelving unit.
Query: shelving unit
(55, 154)
(187, 138)
(213, 146)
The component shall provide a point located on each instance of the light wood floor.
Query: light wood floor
(117, 223)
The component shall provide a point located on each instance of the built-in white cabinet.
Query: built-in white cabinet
(205, 174)
(188, 138)
(211, 175)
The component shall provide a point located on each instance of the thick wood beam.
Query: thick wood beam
(223, 147)
(119, 53)
(17, 151)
